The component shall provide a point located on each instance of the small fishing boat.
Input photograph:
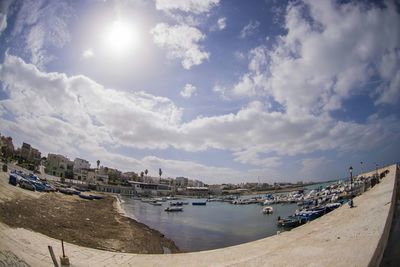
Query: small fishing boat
(173, 209)
(199, 203)
(178, 203)
(291, 221)
(156, 203)
(96, 196)
(269, 202)
(268, 210)
(67, 191)
(88, 197)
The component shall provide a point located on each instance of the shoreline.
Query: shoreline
(100, 224)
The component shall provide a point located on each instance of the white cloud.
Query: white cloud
(88, 53)
(188, 91)
(78, 117)
(250, 29)
(182, 42)
(194, 6)
(42, 26)
(90, 111)
(325, 57)
(221, 23)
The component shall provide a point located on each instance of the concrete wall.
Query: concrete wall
(380, 249)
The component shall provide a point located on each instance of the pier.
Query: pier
(345, 237)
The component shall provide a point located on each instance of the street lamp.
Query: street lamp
(351, 187)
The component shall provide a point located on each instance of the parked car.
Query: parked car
(49, 188)
(25, 184)
(38, 186)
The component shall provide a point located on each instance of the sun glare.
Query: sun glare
(121, 37)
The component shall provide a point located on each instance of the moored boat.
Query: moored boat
(291, 221)
(268, 210)
(173, 209)
(199, 203)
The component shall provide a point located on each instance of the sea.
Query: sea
(216, 225)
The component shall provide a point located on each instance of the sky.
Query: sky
(223, 91)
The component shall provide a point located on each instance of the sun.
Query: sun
(121, 37)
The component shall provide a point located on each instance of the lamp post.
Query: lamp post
(351, 187)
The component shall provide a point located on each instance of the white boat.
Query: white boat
(269, 202)
(268, 210)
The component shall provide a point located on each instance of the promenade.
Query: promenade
(344, 237)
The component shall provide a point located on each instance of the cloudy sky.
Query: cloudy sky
(216, 90)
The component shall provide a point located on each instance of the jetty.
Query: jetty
(345, 237)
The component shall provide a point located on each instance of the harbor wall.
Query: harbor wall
(381, 246)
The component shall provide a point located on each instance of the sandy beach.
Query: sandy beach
(99, 224)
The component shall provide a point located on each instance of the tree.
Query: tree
(160, 172)
(141, 176)
(98, 163)
(146, 172)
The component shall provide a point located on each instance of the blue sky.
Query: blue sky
(216, 90)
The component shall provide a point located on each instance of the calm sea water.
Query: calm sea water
(216, 225)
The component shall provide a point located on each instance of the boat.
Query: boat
(88, 197)
(268, 202)
(66, 191)
(268, 210)
(173, 209)
(96, 196)
(291, 221)
(179, 203)
(156, 203)
(199, 203)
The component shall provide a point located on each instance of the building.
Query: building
(181, 181)
(35, 156)
(6, 146)
(81, 164)
(215, 189)
(197, 191)
(29, 154)
(150, 189)
(117, 189)
(24, 151)
(80, 169)
(60, 166)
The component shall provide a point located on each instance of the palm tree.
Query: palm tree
(98, 163)
(160, 172)
(141, 176)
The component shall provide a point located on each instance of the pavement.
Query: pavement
(344, 237)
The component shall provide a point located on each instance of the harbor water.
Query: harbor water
(216, 225)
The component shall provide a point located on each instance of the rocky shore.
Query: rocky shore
(95, 224)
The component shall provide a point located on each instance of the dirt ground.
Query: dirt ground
(89, 223)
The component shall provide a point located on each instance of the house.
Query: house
(58, 165)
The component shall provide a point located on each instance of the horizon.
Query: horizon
(214, 90)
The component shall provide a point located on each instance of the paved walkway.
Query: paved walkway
(344, 237)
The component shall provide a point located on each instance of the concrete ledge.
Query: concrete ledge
(381, 246)
(344, 237)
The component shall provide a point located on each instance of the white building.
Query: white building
(81, 164)
(58, 165)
